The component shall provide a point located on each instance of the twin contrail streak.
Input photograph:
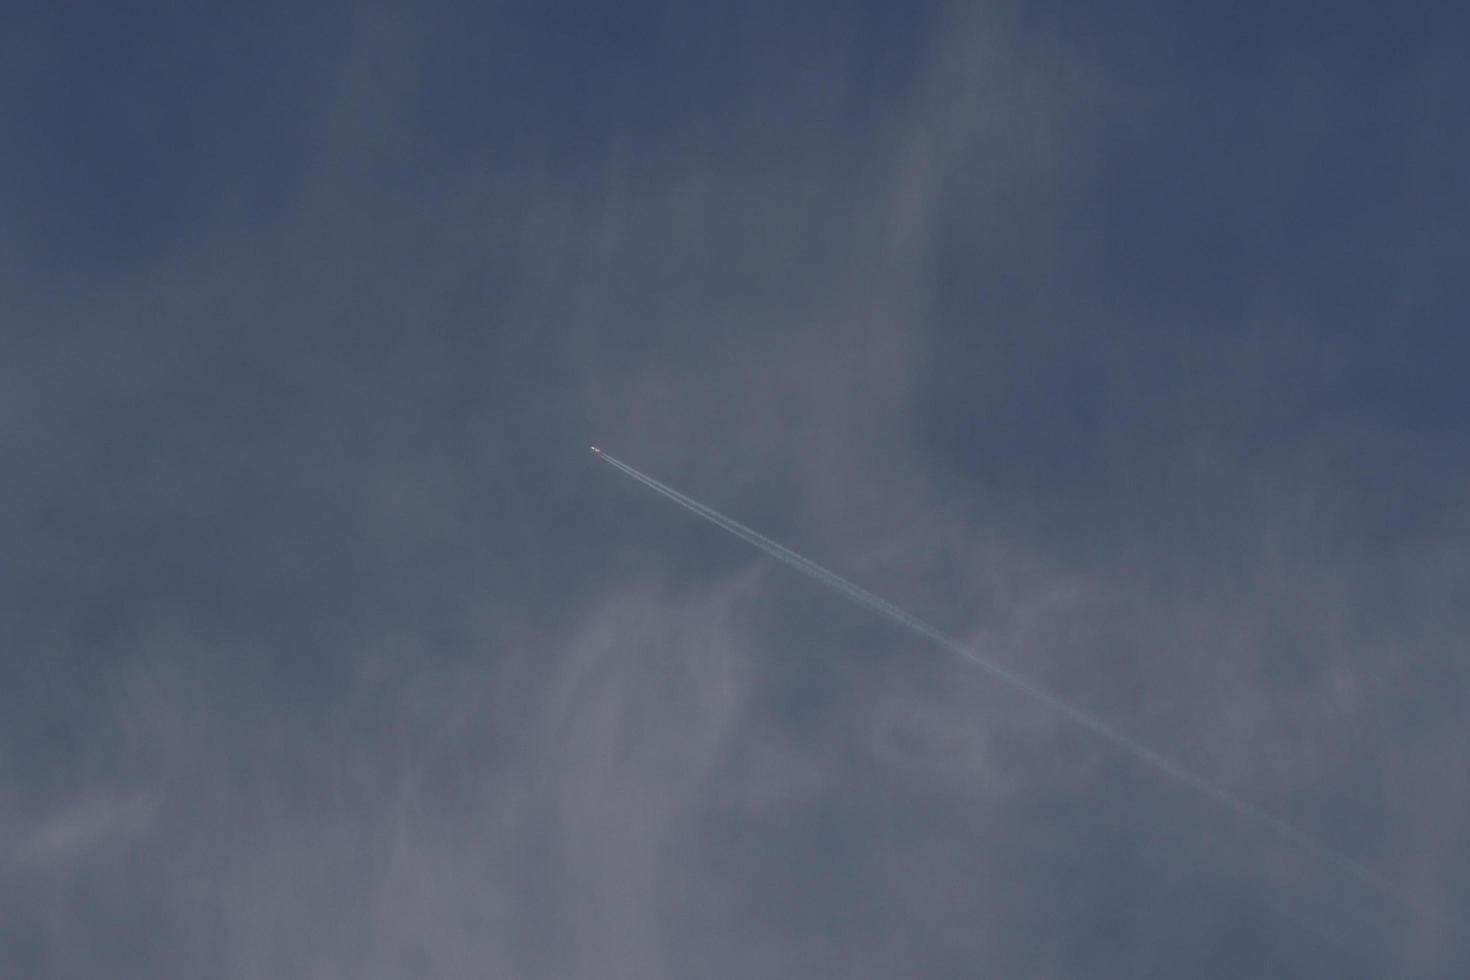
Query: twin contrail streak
(1091, 722)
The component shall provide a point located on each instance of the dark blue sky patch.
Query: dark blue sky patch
(135, 124)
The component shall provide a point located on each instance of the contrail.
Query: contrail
(1143, 753)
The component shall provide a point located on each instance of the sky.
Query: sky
(1122, 341)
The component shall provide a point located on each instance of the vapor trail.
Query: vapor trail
(1092, 723)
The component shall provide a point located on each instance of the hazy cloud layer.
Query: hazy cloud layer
(1124, 344)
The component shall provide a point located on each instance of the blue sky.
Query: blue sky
(1123, 342)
